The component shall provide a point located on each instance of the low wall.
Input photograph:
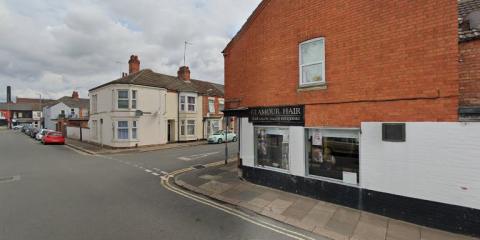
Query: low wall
(74, 133)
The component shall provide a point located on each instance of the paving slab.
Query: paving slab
(398, 230)
(371, 227)
(343, 221)
(277, 206)
(299, 209)
(319, 215)
(215, 187)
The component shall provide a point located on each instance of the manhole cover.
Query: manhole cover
(9, 179)
(198, 166)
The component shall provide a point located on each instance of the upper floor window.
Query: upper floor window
(182, 103)
(221, 104)
(312, 62)
(191, 104)
(123, 99)
(94, 103)
(134, 99)
(211, 105)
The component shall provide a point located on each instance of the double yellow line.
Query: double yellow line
(167, 185)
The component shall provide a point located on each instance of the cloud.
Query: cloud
(53, 47)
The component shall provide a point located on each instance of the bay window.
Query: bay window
(191, 104)
(122, 130)
(191, 127)
(134, 99)
(271, 147)
(182, 128)
(134, 130)
(211, 105)
(312, 62)
(182, 103)
(122, 99)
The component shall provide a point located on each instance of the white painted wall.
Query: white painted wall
(247, 142)
(438, 162)
(152, 126)
(74, 133)
(51, 114)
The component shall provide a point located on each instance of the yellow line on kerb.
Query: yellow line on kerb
(166, 184)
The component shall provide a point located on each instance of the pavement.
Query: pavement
(333, 221)
(55, 192)
(92, 148)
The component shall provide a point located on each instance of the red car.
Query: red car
(53, 137)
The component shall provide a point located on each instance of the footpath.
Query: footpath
(97, 149)
(333, 221)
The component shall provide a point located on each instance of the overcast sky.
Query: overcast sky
(52, 47)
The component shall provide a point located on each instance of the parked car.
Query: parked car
(17, 127)
(219, 137)
(42, 133)
(33, 132)
(53, 138)
(28, 129)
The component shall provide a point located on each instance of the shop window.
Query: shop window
(271, 147)
(393, 132)
(333, 154)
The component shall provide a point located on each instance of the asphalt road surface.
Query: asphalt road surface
(53, 192)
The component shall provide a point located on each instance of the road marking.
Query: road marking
(164, 173)
(156, 174)
(196, 156)
(166, 184)
(148, 170)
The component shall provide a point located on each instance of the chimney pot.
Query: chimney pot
(184, 73)
(133, 64)
(75, 95)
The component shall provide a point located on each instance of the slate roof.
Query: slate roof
(465, 33)
(20, 106)
(72, 102)
(147, 77)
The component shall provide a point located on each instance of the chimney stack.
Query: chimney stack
(75, 95)
(133, 64)
(9, 94)
(184, 73)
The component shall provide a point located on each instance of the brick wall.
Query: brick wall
(469, 73)
(385, 60)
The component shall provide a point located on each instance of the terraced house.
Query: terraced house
(368, 104)
(148, 108)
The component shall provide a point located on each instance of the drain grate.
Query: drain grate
(198, 166)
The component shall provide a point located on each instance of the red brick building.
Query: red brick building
(330, 93)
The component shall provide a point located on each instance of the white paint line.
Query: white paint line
(156, 174)
(148, 170)
(196, 156)
(164, 173)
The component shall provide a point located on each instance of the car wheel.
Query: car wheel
(219, 140)
(234, 139)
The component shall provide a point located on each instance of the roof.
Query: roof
(147, 77)
(465, 33)
(20, 106)
(72, 102)
(33, 100)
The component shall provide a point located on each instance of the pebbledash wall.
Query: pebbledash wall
(388, 62)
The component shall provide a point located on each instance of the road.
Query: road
(54, 192)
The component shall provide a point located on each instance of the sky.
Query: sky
(53, 47)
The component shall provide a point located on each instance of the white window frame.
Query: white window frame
(119, 128)
(134, 99)
(182, 128)
(94, 103)
(322, 61)
(135, 127)
(255, 157)
(182, 103)
(221, 104)
(189, 124)
(123, 99)
(212, 108)
(190, 104)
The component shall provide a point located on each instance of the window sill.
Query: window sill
(125, 140)
(312, 87)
